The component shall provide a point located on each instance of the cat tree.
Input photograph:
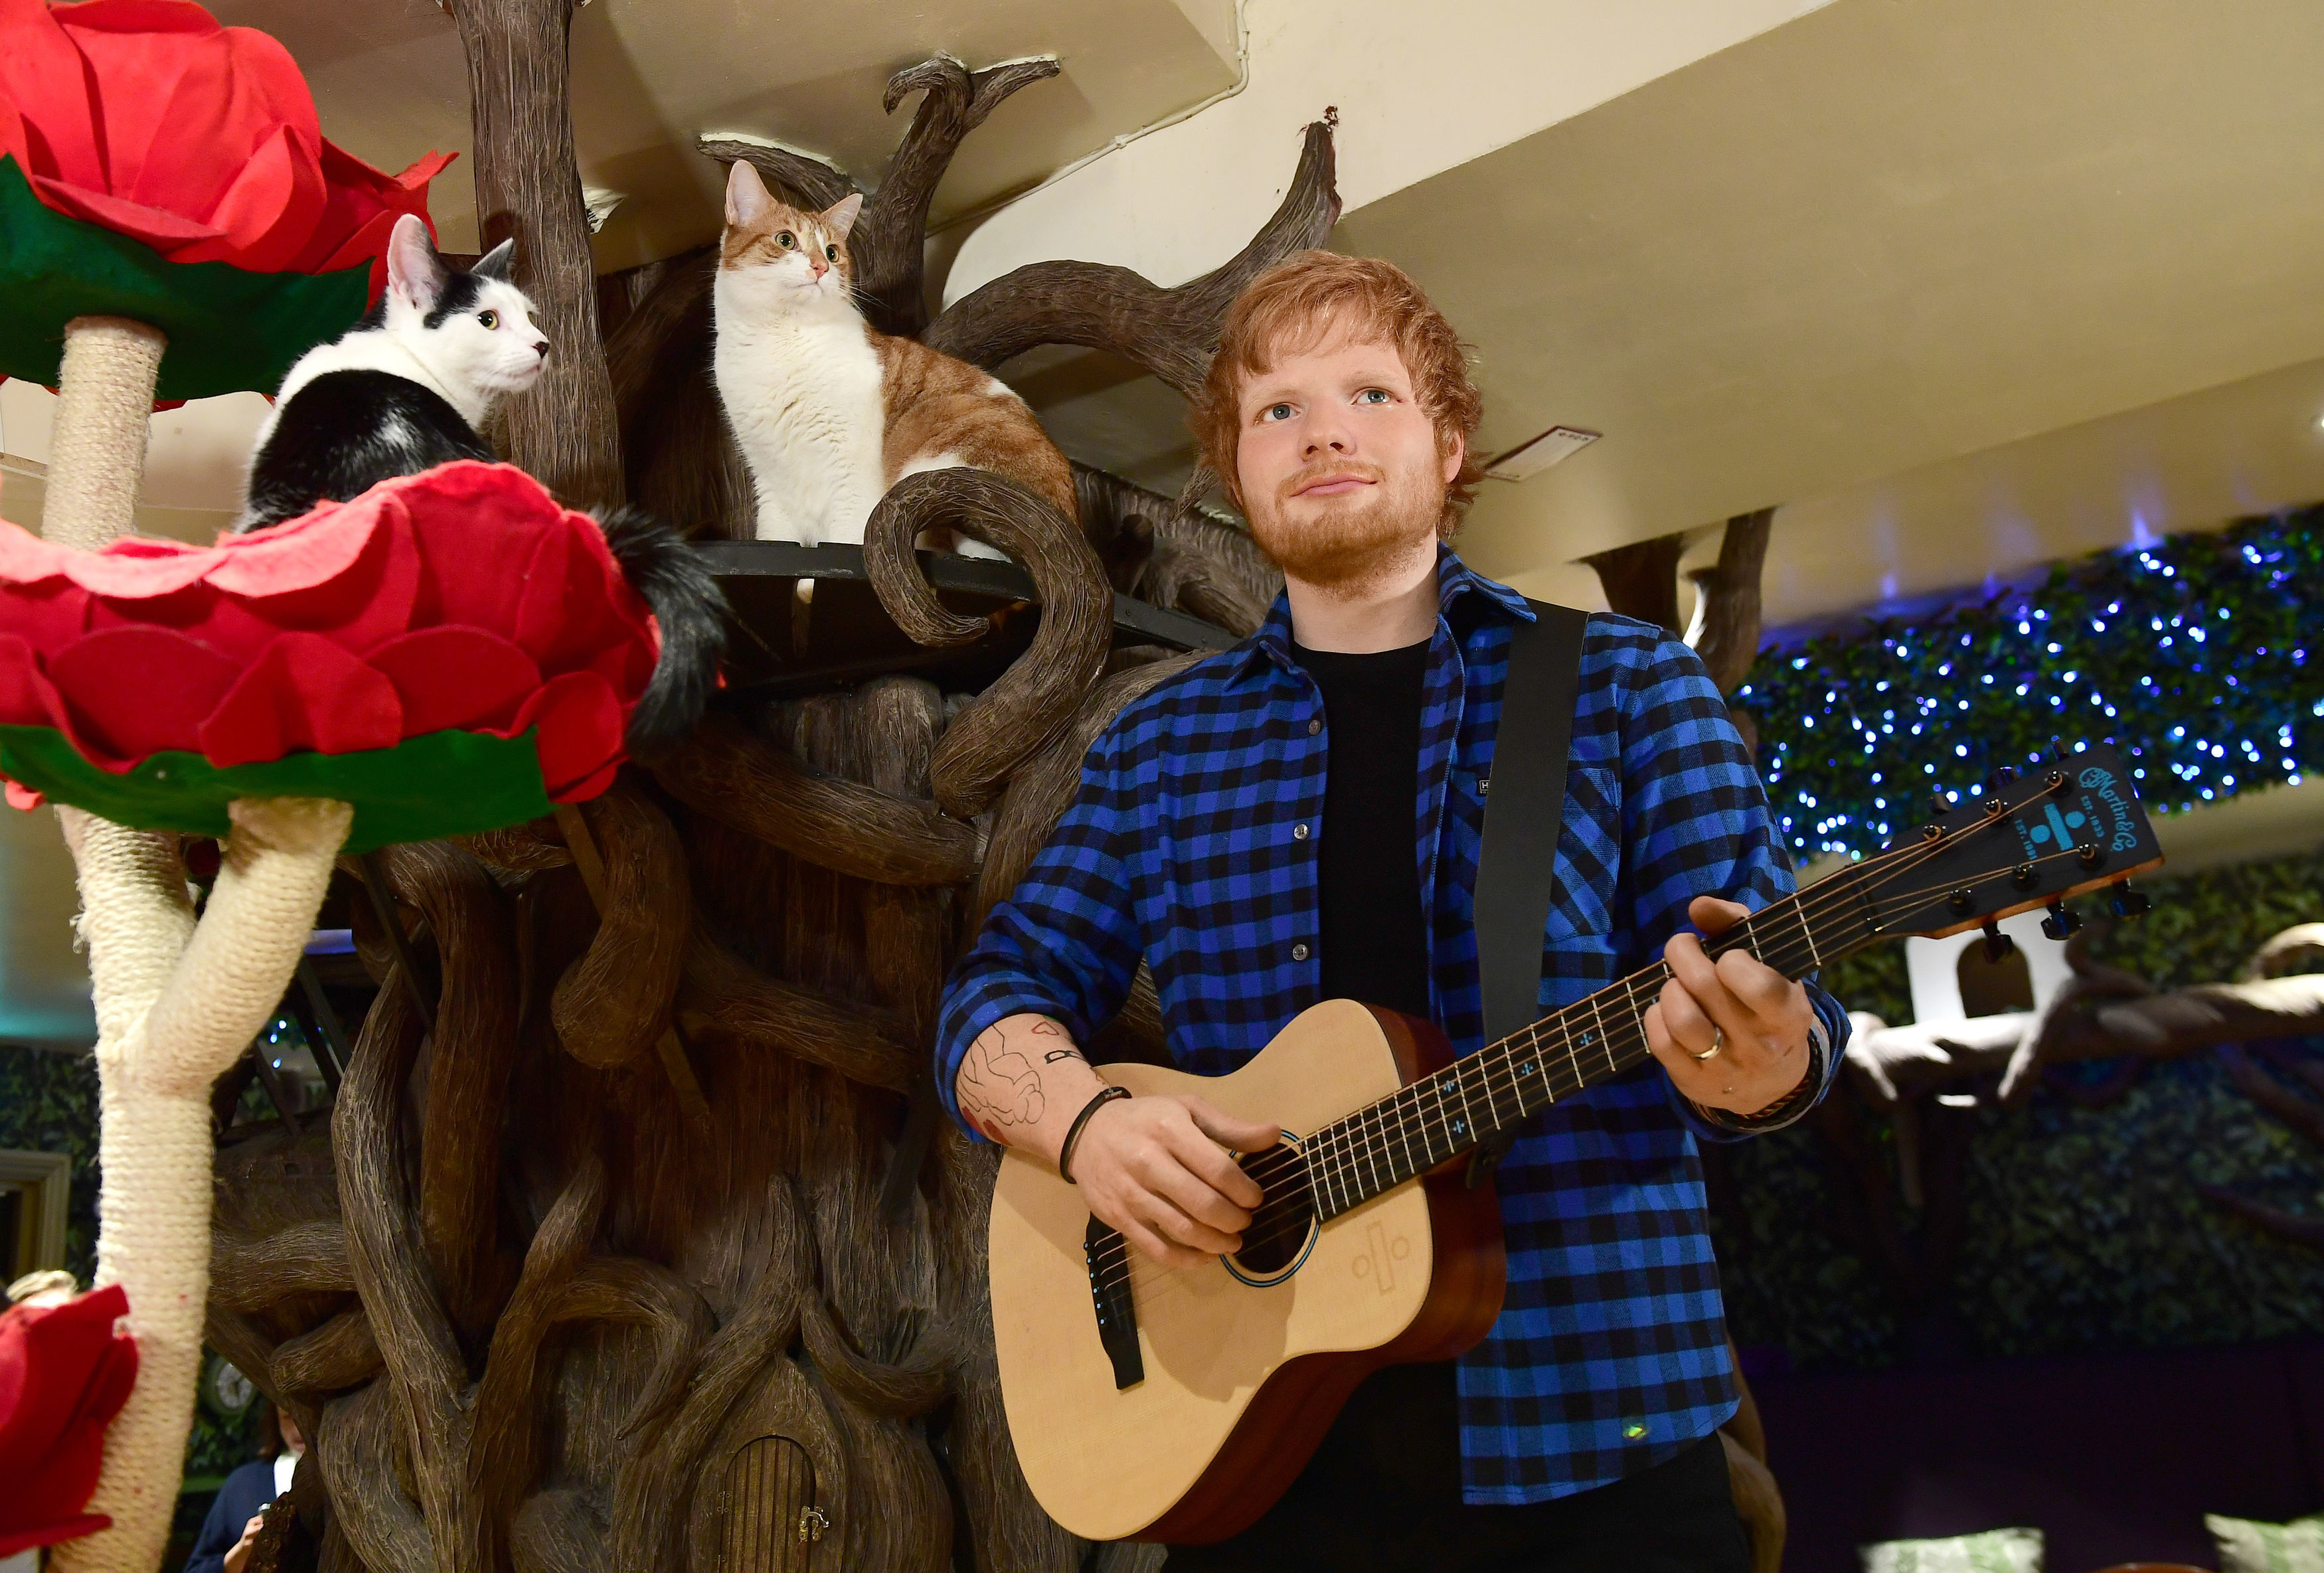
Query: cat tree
(592, 1267)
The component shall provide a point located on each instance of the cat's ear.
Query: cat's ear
(841, 214)
(495, 263)
(747, 201)
(414, 270)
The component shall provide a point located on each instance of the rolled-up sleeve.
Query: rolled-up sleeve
(1064, 943)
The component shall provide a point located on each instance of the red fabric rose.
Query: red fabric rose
(147, 117)
(64, 1375)
(463, 599)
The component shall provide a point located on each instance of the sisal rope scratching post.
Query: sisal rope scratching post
(96, 458)
(176, 1000)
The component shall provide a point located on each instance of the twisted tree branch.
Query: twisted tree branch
(306, 1258)
(613, 1003)
(473, 1051)
(725, 772)
(1170, 333)
(646, 1509)
(633, 1293)
(502, 1456)
(1031, 702)
(723, 993)
(390, 1260)
(335, 1356)
(898, 1391)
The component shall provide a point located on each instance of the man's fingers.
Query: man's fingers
(1714, 916)
(1160, 1210)
(1244, 1136)
(1684, 1020)
(1703, 999)
(1142, 1237)
(1198, 1197)
(1757, 987)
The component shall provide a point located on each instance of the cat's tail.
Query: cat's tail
(686, 601)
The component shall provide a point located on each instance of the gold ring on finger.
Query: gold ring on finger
(1718, 1042)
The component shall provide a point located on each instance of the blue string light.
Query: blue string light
(2205, 634)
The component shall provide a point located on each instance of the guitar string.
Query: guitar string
(1413, 1116)
(1359, 1144)
(1502, 1074)
(1806, 909)
(1359, 1147)
(1889, 906)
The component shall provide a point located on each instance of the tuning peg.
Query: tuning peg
(1938, 806)
(2060, 922)
(1998, 946)
(2126, 902)
(2002, 776)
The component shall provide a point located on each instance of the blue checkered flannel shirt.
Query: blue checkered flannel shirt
(1610, 1352)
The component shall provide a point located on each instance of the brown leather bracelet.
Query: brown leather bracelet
(1105, 1095)
(1810, 1078)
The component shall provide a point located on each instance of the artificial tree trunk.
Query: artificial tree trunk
(529, 190)
(592, 1268)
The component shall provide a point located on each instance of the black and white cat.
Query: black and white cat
(405, 390)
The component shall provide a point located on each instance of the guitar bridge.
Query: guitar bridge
(1108, 1255)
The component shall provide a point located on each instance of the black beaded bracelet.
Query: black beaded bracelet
(1073, 1132)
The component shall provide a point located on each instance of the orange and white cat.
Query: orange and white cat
(828, 411)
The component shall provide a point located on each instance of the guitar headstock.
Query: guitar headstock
(2058, 829)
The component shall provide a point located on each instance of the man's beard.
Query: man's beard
(1358, 540)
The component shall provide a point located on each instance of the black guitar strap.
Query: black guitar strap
(1524, 808)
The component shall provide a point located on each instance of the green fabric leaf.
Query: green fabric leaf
(445, 783)
(229, 330)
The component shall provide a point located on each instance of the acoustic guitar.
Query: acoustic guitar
(1177, 1404)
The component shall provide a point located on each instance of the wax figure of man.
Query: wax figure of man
(1298, 819)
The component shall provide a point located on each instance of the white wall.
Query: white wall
(1420, 88)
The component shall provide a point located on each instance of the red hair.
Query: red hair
(1292, 306)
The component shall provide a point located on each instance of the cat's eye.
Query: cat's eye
(489, 319)
(831, 252)
(785, 240)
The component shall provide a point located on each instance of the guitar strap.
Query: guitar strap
(1525, 810)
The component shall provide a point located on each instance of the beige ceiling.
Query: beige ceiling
(1905, 265)
(649, 76)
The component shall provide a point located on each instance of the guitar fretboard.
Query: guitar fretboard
(1439, 1117)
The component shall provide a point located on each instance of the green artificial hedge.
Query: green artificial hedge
(2201, 655)
(2084, 1227)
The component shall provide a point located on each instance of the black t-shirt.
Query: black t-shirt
(1373, 936)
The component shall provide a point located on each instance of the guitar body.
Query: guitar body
(1244, 1369)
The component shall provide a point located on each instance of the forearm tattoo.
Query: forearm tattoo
(1000, 1085)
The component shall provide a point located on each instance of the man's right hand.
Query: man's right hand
(1153, 1167)
(1158, 1169)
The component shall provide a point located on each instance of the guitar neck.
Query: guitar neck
(1442, 1117)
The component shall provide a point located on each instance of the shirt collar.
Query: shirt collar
(1454, 580)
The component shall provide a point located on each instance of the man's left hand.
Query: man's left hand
(1757, 1018)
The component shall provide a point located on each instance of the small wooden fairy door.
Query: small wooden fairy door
(771, 1519)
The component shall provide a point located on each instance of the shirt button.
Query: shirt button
(1299, 952)
(1315, 727)
(1298, 833)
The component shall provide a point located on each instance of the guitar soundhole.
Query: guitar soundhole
(1284, 1224)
